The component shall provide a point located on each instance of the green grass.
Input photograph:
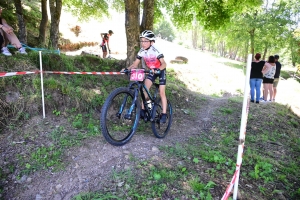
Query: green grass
(191, 168)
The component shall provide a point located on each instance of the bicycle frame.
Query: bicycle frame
(139, 86)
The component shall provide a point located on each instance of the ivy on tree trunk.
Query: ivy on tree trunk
(22, 27)
(148, 15)
(55, 11)
(44, 23)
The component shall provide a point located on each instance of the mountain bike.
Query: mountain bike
(120, 113)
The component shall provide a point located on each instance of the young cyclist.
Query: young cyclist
(105, 41)
(154, 60)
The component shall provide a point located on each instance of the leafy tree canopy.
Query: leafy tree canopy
(165, 30)
(210, 13)
(86, 9)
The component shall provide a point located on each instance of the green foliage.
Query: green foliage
(85, 11)
(165, 30)
(212, 14)
(226, 110)
(263, 170)
(202, 189)
(43, 158)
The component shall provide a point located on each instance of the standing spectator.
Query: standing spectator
(1, 36)
(276, 76)
(256, 77)
(268, 71)
(105, 42)
(9, 36)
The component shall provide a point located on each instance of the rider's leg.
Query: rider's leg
(162, 93)
(148, 84)
(104, 50)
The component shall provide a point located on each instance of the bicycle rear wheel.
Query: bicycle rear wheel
(161, 130)
(116, 129)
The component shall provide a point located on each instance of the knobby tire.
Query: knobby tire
(118, 130)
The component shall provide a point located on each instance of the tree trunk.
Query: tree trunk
(148, 15)
(132, 19)
(55, 11)
(44, 23)
(203, 42)
(265, 51)
(246, 51)
(252, 42)
(22, 27)
(195, 36)
(235, 53)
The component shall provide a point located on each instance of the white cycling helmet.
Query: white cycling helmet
(148, 35)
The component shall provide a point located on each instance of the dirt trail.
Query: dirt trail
(90, 165)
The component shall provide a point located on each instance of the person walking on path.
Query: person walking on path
(276, 76)
(256, 77)
(105, 42)
(268, 71)
(8, 35)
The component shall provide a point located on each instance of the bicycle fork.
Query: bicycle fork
(128, 115)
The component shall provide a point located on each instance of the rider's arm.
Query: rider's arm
(135, 64)
(102, 35)
(163, 64)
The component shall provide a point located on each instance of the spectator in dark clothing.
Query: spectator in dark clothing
(276, 76)
(1, 39)
(256, 77)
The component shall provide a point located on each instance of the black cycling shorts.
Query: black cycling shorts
(268, 80)
(162, 77)
(104, 49)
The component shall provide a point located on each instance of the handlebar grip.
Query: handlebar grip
(126, 71)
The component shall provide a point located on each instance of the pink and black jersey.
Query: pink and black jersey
(151, 57)
(105, 39)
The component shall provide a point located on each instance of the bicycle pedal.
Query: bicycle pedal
(127, 116)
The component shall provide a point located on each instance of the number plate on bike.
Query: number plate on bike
(137, 75)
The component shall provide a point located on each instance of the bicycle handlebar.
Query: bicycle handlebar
(157, 71)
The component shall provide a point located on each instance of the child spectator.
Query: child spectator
(276, 76)
(105, 42)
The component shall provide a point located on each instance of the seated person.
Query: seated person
(8, 35)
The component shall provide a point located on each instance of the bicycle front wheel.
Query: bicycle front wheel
(161, 130)
(118, 127)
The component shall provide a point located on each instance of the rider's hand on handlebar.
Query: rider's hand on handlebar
(124, 70)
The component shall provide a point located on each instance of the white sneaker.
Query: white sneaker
(22, 50)
(5, 51)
